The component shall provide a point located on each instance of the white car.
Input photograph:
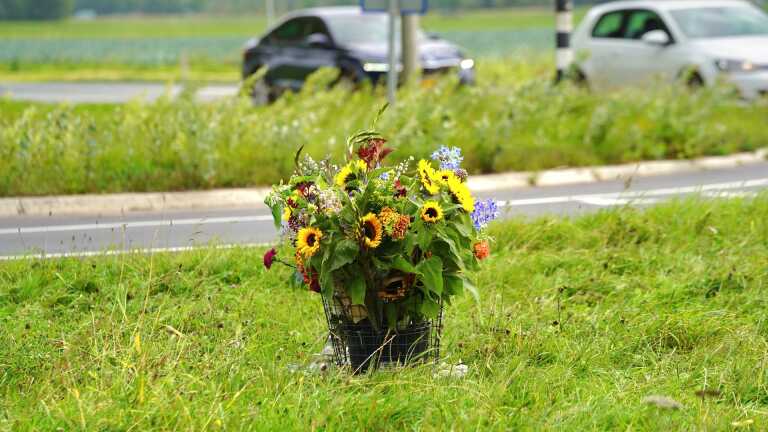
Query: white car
(703, 41)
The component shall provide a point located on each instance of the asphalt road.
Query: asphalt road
(104, 92)
(84, 235)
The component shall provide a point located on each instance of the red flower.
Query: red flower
(312, 280)
(302, 188)
(269, 258)
(399, 189)
(373, 151)
(482, 250)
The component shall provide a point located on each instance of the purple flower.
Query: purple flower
(449, 157)
(269, 258)
(485, 212)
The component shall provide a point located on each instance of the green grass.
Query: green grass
(578, 321)
(514, 119)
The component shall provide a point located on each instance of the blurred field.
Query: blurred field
(150, 48)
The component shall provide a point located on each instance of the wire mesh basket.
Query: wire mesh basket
(357, 344)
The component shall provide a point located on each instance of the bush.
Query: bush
(500, 124)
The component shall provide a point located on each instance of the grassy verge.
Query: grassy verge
(513, 120)
(579, 320)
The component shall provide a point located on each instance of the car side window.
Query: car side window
(641, 22)
(290, 32)
(610, 25)
(316, 25)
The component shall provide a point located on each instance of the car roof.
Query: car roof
(325, 12)
(665, 4)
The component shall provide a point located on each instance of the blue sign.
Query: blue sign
(418, 7)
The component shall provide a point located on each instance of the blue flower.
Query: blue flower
(384, 176)
(485, 212)
(449, 157)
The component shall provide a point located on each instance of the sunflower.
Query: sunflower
(372, 230)
(350, 172)
(431, 212)
(361, 166)
(287, 213)
(429, 178)
(343, 176)
(308, 241)
(444, 176)
(460, 193)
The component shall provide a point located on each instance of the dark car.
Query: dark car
(345, 38)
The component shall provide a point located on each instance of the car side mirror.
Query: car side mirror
(656, 37)
(319, 40)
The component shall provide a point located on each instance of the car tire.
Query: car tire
(695, 81)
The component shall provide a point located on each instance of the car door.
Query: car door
(638, 61)
(603, 46)
(278, 52)
(309, 56)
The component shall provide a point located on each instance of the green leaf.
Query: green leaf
(345, 253)
(277, 215)
(431, 273)
(390, 309)
(403, 265)
(472, 290)
(356, 289)
(454, 285)
(430, 308)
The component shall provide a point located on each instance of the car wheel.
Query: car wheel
(695, 81)
(580, 79)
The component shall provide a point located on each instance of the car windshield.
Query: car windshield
(361, 29)
(716, 22)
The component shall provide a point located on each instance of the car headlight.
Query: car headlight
(376, 67)
(727, 65)
(467, 64)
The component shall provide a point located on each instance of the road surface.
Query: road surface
(83, 235)
(106, 92)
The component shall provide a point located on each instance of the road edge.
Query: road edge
(122, 203)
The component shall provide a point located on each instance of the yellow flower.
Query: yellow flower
(431, 212)
(428, 177)
(343, 176)
(460, 192)
(444, 176)
(388, 218)
(286, 213)
(350, 172)
(308, 241)
(372, 230)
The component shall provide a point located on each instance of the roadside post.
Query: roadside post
(270, 12)
(563, 28)
(409, 10)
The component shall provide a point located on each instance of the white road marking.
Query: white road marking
(637, 197)
(135, 224)
(86, 254)
(598, 199)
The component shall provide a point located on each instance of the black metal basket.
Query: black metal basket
(356, 343)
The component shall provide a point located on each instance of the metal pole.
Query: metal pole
(394, 12)
(411, 67)
(270, 11)
(564, 27)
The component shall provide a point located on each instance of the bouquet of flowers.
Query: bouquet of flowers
(387, 245)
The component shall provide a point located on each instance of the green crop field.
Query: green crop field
(150, 48)
(578, 322)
